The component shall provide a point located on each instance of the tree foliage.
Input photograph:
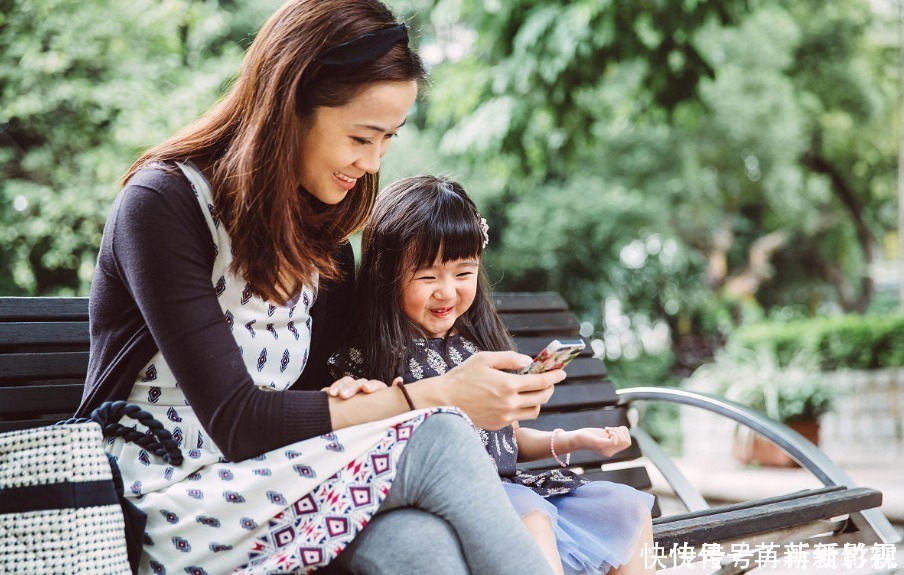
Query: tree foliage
(769, 165)
(697, 161)
(85, 86)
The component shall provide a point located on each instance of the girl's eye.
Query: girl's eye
(465, 274)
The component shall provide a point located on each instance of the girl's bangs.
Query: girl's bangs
(454, 237)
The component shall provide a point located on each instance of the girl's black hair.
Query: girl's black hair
(415, 221)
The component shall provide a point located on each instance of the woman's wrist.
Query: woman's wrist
(428, 392)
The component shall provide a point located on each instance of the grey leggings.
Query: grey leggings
(445, 514)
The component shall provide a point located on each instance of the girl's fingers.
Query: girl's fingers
(349, 387)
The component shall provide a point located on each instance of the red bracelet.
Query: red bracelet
(552, 449)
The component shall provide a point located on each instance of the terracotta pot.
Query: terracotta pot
(752, 449)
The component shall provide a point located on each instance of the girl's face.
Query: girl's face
(347, 142)
(434, 297)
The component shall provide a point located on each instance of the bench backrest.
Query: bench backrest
(44, 358)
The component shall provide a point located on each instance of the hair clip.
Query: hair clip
(365, 48)
(485, 229)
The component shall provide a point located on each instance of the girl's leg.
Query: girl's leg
(639, 564)
(540, 528)
(445, 471)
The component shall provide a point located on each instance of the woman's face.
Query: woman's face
(347, 142)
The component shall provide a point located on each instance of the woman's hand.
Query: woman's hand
(606, 441)
(491, 397)
(349, 387)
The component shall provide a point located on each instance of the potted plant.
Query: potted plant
(792, 394)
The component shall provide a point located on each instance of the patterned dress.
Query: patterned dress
(287, 511)
(597, 523)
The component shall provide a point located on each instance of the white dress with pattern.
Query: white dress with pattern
(290, 510)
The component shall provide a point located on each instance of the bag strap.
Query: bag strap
(158, 440)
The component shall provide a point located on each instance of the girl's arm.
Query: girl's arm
(534, 444)
(492, 398)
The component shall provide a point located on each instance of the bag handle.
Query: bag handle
(158, 440)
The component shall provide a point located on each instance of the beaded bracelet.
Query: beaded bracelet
(401, 386)
(552, 449)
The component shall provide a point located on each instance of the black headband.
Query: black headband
(366, 48)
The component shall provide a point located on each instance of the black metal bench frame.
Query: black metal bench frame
(44, 358)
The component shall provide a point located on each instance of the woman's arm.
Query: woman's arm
(160, 253)
(492, 398)
(534, 444)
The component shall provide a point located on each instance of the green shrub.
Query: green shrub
(842, 342)
(786, 393)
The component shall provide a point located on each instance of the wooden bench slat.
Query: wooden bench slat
(762, 518)
(609, 417)
(562, 323)
(31, 423)
(43, 365)
(506, 302)
(585, 368)
(43, 308)
(637, 477)
(752, 503)
(40, 399)
(573, 395)
(55, 333)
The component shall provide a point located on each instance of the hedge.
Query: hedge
(849, 341)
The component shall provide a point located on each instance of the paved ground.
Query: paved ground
(726, 481)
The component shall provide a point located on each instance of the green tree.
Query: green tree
(84, 86)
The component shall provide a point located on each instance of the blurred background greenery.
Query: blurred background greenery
(677, 169)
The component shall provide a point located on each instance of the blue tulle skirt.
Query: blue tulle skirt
(597, 526)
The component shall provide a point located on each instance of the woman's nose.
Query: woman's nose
(370, 160)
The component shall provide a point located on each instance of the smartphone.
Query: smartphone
(556, 356)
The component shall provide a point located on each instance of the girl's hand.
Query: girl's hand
(349, 387)
(606, 441)
(491, 397)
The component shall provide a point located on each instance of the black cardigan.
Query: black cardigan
(153, 279)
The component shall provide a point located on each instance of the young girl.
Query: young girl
(423, 309)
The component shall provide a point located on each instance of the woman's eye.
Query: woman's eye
(362, 141)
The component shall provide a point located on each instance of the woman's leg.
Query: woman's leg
(445, 471)
(540, 528)
(402, 540)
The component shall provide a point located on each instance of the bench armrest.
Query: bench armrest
(795, 445)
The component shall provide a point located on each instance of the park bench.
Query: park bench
(44, 358)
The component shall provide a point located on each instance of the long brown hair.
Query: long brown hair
(415, 221)
(249, 143)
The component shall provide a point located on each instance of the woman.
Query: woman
(220, 290)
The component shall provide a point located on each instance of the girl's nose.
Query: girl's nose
(444, 290)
